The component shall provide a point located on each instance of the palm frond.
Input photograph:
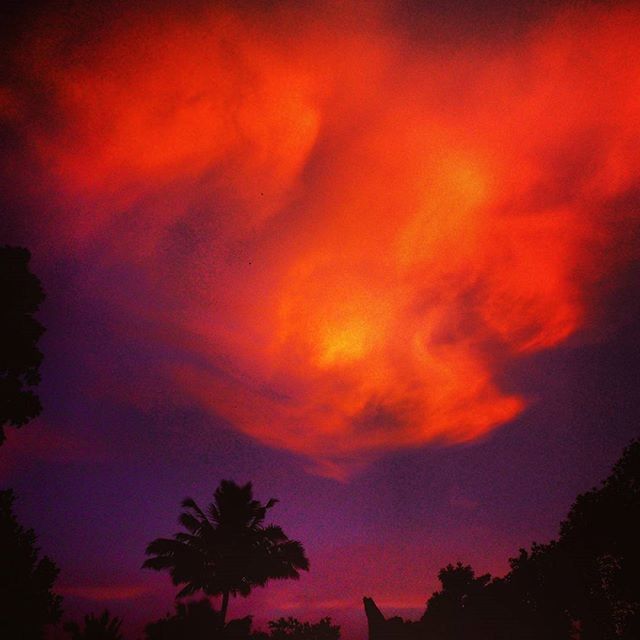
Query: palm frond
(190, 503)
(190, 522)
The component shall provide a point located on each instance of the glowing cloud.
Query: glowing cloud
(350, 233)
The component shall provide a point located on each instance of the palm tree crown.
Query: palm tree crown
(228, 549)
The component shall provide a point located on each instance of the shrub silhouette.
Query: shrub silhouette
(228, 550)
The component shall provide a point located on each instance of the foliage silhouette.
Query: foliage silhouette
(27, 603)
(293, 629)
(197, 620)
(228, 550)
(103, 628)
(20, 297)
(599, 541)
(448, 610)
(585, 585)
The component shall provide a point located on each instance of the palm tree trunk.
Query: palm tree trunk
(223, 608)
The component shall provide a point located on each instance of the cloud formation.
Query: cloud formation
(346, 233)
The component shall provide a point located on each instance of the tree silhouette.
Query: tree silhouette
(599, 541)
(533, 594)
(228, 550)
(449, 610)
(27, 603)
(103, 628)
(20, 297)
(584, 585)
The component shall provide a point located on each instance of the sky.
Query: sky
(380, 259)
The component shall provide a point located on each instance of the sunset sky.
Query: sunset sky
(379, 258)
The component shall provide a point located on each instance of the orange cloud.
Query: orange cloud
(352, 232)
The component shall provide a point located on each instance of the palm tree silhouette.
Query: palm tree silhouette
(228, 550)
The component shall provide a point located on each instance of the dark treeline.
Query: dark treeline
(197, 620)
(585, 585)
(582, 586)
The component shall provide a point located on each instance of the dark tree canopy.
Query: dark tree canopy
(104, 627)
(20, 297)
(599, 543)
(228, 550)
(449, 608)
(27, 603)
(585, 585)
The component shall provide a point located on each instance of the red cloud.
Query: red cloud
(351, 232)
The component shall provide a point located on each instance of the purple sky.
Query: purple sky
(163, 260)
